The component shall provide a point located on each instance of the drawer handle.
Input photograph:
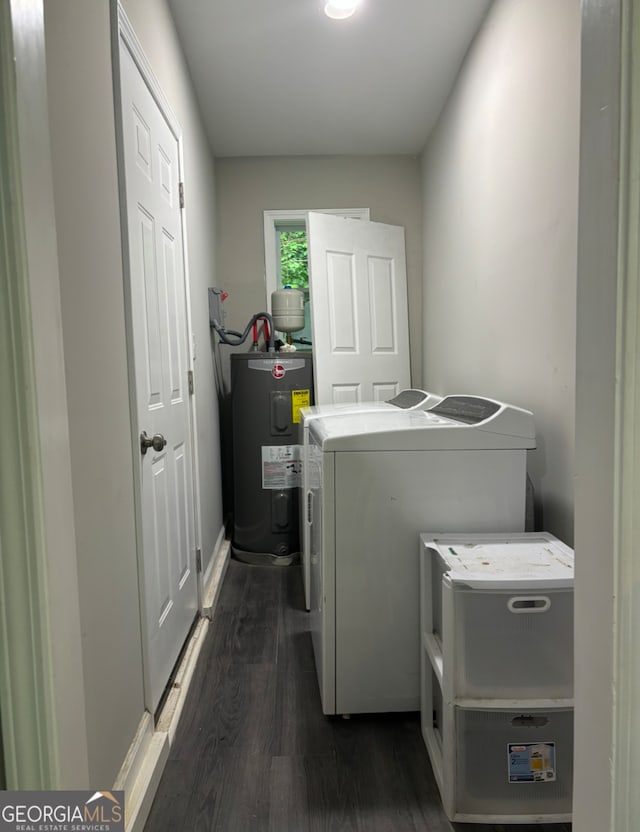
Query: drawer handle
(309, 508)
(529, 721)
(528, 604)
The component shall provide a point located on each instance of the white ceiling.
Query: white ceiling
(277, 77)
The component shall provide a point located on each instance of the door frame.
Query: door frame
(123, 32)
(23, 521)
(607, 478)
(626, 577)
(42, 695)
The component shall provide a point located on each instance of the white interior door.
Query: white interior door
(359, 316)
(161, 362)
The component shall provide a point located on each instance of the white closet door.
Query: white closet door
(359, 315)
(161, 359)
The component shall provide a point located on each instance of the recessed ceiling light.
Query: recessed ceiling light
(340, 9)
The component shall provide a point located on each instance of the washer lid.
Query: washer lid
(526, 561)
(410, 399)
(502, 427)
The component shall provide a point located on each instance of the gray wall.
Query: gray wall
(388, 185)
(500, 179)
(90, 261)
(90, 256)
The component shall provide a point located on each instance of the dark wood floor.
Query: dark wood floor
(254, 752)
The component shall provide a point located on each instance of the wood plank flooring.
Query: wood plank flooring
(254, 752)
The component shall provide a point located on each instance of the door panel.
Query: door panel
(382, 285)
(159, 336)
(341, 285)
(383, 391)
(346, 393)
(359, 312)
(159, 544)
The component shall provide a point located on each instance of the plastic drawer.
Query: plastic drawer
(500, 755)
(513, 644)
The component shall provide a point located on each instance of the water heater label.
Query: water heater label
(532, 762)
(299, 399)
(281, 466)
(278, 367)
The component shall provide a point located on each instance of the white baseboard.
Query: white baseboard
(143, 766)
(141, 772)
(142, 769)
(214, 577)
(174, 703)
(140, 791)
(211, 564)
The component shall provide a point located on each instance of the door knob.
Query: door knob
(157, 442)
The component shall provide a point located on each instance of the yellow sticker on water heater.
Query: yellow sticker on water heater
(299, 398)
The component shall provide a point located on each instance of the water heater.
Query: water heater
(267, 392)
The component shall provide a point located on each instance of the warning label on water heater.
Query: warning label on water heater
(281, 466)
(299, 399)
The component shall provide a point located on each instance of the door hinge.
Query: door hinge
(181, 193)
(190, 381)
(198, 560)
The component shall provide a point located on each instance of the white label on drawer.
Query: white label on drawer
(532, 762)
(281, 466)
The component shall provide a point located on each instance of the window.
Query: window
(285, 246)
(292, 269)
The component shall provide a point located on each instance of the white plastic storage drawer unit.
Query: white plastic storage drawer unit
(502, 614)
(514, 763)
(497, 674)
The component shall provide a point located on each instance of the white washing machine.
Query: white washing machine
(409, 399)
(377, 480)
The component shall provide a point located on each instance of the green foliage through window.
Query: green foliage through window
(293, 259)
